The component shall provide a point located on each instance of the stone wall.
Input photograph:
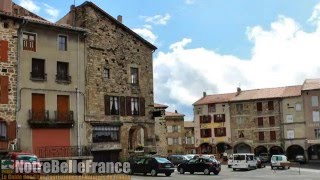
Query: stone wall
(161, 136)
(176, 121)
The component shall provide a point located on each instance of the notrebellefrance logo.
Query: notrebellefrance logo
(7, 166)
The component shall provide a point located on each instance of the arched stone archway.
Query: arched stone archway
(137, 138)
(260, 149)
(314, 152)
(275, 150)
(242, 148)
(206, 148)
(293, 151)
(222, 147)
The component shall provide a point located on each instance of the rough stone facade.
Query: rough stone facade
(113, 46)
(189, 129)
(160, 132)
(178, 133)
(246, 121)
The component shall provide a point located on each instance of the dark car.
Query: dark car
(202, 164)
(264, 157)
(152, 165)
(177, 159)
(300, 158)
(260, 164)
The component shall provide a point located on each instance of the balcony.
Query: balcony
(42, 120)
(62, 151)
(38, 76)
(63, 78)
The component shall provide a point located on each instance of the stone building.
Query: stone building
(160, 129)
(175, 132)
(119, 84)
(311, 106)
(212, 119)
(189, 130)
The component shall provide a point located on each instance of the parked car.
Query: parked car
(279, 161)
(264, 157)
(191, 156)
(301, 159)
(152, 165)
(201, 164)
(244, 161)
(260, 164)
(208, 156)
(230, 161)
(177, 159)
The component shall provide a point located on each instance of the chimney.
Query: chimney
(176, 111)
(238, 91)
(6, 6)
(204, 94)
(119, 18)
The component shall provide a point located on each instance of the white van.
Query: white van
(244, 161)
(279, 161)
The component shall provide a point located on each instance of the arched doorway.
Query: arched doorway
(293, 151)
(260, 149)
(206, 148)
(276, 150)
(222, 147)
(242, 148)
(137, 138)
(314, 152)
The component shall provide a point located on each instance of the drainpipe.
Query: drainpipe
(77, 89)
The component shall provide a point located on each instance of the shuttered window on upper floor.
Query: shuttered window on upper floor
(4, 46)
(4, 90)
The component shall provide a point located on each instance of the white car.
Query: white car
(280, 161)
(230, 161)
(244, 161)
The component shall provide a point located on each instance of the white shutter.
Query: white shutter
(290, 134)
(169, 129)
(170, 141)
(298, 107)
(180, 140)
(192, 140)
(315, 115)
(289, 118)
(186, 140)
(179, 128)
(314, 101)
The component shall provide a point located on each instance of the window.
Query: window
(289, 118)
(38, 70)
(29, 42)
(176, 128)
(176, 141)
(105, 134)
(314, 101)
(134, 106)
(261, 136)
(239, 108)
(241, 134)
(134, 76)
(62, 40)
(106, 73)
(4, 89)
(298, 107)
(189, 140)
(317, 133)
(290, 134)
(198, 110)
(205, 119)
(211, 108)
(271, 121)
(62, 71)
(270, 106)
(272, 135)
(219, 118)
(114, 105)
(260, 121)
(3, 130)
(170, 141)
(315, 116)
(4, 45)
(204, 133)
(240, 120)
(219, 132)
(259, 106)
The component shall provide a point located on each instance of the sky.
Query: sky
(215, 45)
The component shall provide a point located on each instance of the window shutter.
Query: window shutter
(209, 118)
(192, 140)
(170, 141)
(11, 129)
(142, 106)
(224, 131)
(180, 140)
(122, 106)
(201, 132)
(215, 132)
(4, 45)
(169, 129)
(4, 94)
(223, 118)
(107, 105)
(179, 128)
(201, 119)
(128, 106)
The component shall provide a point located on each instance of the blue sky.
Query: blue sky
(215, 45)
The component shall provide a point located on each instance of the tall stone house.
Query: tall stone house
(47, 83)
(189, 130)
(118, 84)
(175, 132)
(310, 95)
(212, 118)
(160, 129)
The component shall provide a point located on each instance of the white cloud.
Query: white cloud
(147, 34)
(283, 55)
(157, 19)
(190, 1)
(52, 12)
(30, 5)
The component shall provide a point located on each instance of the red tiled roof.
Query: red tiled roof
(156, 105)
(311, 84)
(188, 124)
(292, 91)
(171, 114)
(216, 98)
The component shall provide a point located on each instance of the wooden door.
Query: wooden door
(63, 108)
(38, 107)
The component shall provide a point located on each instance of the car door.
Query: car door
(191, 165)
(148, 165)
(138, 166)
(201, 165)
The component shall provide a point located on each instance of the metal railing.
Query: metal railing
(38, 115)
(63, 116)
(38, 76)
(62, 151)
(63, 78)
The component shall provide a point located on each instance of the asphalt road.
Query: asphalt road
(228, 174)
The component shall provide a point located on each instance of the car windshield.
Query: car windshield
(29, 158)
(162, 160)
(239, 157)
(277, 158)
(188, 157)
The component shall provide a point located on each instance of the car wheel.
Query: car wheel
(191, 172)
(271, 167)
(206, 171)
(130, 172)
(168, 174)
(229, 166)
(181, 171)
(215, 172)
(153, 172)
